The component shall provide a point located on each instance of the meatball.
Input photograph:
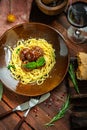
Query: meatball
(31, 54)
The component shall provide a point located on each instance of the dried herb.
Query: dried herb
(73, 77)
(60, 114)
(1, 90)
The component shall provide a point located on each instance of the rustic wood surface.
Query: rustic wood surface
(43, 112)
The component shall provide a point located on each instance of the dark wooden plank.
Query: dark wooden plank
(13, 99)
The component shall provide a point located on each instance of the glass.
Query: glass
(77, 17)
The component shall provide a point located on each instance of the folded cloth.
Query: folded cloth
(20, 8)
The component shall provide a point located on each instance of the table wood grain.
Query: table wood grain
(42, 113)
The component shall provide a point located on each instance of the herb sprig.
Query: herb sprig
(60, 114)
(73, 77)
(1, 90)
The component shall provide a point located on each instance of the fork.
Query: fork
(32, 103)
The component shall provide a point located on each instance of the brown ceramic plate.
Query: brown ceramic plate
(33, 30)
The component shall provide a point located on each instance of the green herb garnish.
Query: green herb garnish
(1, 90)
(73, 77)
(17, 50)
(9, 66)
(33, 65)
(60, 114)
(30, 65)
(40, 62)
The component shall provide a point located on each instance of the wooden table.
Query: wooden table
(43, 112)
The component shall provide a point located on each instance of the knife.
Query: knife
(23, 106)
(33, 102)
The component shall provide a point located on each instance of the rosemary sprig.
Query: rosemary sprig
(73, 77)
(1, 90)
(60, 114)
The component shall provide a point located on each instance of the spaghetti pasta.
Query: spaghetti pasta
(37, 75)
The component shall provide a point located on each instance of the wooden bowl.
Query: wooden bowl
(52, 10)
(26, 31)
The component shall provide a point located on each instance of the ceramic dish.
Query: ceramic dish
(33, 30)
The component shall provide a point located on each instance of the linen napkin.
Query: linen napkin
(20, 8)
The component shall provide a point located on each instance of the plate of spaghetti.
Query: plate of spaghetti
(34, 59)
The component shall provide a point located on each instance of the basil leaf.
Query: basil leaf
(40, 62)
(1, 90)
(31, 65)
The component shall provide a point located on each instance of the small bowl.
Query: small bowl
(52, 10)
